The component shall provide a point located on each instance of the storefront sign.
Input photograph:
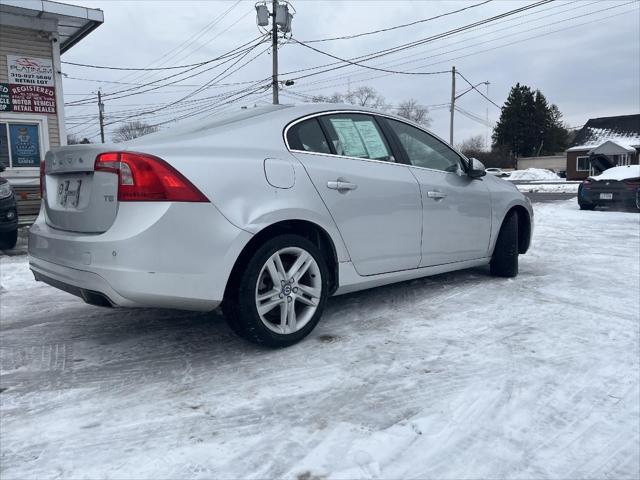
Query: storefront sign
(30, 71)
(5, 99)
(33, 98)
(25, 145)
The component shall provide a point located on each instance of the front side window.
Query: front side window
(423, 150)
(357, 135)
(307, 136)
(583, 164)
(20, 145)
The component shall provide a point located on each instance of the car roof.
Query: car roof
(283, 114)
(263, 118)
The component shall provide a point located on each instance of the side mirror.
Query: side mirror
(476, 168)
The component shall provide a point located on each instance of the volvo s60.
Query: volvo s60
(268, 212)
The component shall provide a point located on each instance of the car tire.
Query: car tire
(8, 240)
(504, 262)
(282, 311)
(586, 206)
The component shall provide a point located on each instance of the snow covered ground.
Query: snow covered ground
(456, 376)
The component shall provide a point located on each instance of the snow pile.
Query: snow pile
(549, 188)
(533, 174)
(619, 173)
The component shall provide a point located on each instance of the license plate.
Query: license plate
(69, 193)
(606, 196)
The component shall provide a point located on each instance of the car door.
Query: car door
(374, 201)
(456, 208)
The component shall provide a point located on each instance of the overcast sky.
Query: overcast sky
(583, 55)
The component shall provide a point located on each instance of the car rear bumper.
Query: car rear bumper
(156, 254)
(619, 197)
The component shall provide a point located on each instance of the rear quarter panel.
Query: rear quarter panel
(228, 167)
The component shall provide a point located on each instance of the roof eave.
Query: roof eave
(89, 27)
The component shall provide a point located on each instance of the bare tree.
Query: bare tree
(412, 110)
(334, 98)
(132, 130)
(472, 145)
(366, 97)
(75, 140)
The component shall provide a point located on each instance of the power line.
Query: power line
(473, 87)
(149, 69)
(357, 35)
(228, 57)
(394, 62)
(198, 90)
(365, 66)
(409, 45)
(474, 53)
(168, 55)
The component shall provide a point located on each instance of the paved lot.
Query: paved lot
(455, 376)
(545, 197)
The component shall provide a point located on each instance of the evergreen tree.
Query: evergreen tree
(528, 125)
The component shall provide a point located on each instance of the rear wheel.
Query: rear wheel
(279, 297)
(8, 240)
(504, 262)
(586, 206)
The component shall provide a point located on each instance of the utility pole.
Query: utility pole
(101, 115)
(274, 43)
(453, 103)
(488, 142)
(281, 18)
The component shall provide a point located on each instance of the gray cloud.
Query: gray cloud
(588, 71)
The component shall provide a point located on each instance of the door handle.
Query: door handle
(436, 195)
(338, 185)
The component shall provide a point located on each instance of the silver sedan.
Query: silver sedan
(268, 212)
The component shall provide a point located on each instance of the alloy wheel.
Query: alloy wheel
(288, 290)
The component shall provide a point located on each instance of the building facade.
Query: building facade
(550, 162)
(33, 35)
(618, 138)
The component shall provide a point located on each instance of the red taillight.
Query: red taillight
(43, 185)
(632, 183)
(145, 178)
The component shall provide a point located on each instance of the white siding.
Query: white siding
(21, 41)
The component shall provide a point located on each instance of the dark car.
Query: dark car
(8, 216)
(617, 186)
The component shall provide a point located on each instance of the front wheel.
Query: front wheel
(279, 297)
(504, 262)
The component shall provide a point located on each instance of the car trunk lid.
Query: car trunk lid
(76, 198)
(600, 163)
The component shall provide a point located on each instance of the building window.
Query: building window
(582, 164)
(20, 144)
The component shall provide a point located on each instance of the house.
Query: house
(618, 138)
(33, 35)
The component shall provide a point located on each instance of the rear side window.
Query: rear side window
(423, 150)
(307, 136)
(356, 135)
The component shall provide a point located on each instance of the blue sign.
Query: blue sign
(25, 145)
